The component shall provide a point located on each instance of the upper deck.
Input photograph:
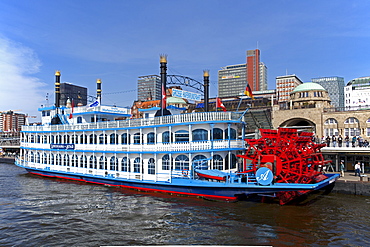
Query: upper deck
(197, 117)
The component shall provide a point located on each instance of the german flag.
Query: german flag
(248, 91)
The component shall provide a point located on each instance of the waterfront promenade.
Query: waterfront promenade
(350, 184)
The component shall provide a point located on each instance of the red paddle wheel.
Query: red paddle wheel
(292, 156)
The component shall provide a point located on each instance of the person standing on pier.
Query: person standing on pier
(358, 169)
(341, 168)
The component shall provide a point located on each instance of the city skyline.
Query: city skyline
(119, 41)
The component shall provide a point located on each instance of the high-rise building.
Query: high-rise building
(231, 80)
(285, 85)
(256, 71)
(357, 92)
(335, 87)
(149, 88)
(11, 121)
(263, 77)
(73, 92)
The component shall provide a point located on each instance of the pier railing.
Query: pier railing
(157, 121)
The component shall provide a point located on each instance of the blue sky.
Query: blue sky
(117, 41)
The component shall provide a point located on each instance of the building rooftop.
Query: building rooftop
(309, 86)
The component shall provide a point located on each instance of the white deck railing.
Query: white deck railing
(159, 147)
(165, 120)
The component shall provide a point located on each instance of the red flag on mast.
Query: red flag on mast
(219, 104)
(71, 114)
(164, 97)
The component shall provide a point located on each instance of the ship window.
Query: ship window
(232, 135)
(52, 139)
(58, 159)
(66, 160)
(45, 159)
(166, 162)
(126, 165)
(150, 138)
(166, 137)
(93, 139)
(51, 159)
(113, 138)
(102, 139)
(79, 119)
(217, 134)
(73, 138)
(182, 162)
(200, 162)
(181, 136)
(93, 163)
(103, 163)
(45, 139)
(151, 166)
(83, 161)
(32, 139)
(232, 160)
(38, 157)
(137, 165)
(137, 139)
(125, 139)
(200, 135)
(38, 139)
(218, 162)
(113, 163)
(74, 161)
(66, 139)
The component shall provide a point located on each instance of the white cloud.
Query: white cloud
(19, 90)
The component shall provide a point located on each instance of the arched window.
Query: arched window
(137, 138)
(231, 165)
(182, 162)
(182, 136)
(93, 139)
(102, 139)
(52, 139)
(74, 161)
(218, 162)
(218, 134)
(200, 162)
(125, 138)
(51, 159)
(58, 159)
(93, 162)
(32, 139)
(232, 135)
(83, 139)
(73, 138)
(83, 161)
(38, 139)
(38, 157)
(166, 137)
(125, 165)
(150, 138)
(103, 163)
(45, 158)
(45, 139)
(200, 135)
(137, 165)
(66, 160)
(166, 163)
(151, 166)
(113, 163)
(113, 139)
(66, 139)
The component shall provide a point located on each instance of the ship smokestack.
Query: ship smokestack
(206, 89)
(98, 89)
(163, 62)
(57, 89)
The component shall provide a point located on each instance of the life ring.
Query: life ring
(185, 172)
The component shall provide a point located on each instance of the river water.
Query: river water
(37, 211)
